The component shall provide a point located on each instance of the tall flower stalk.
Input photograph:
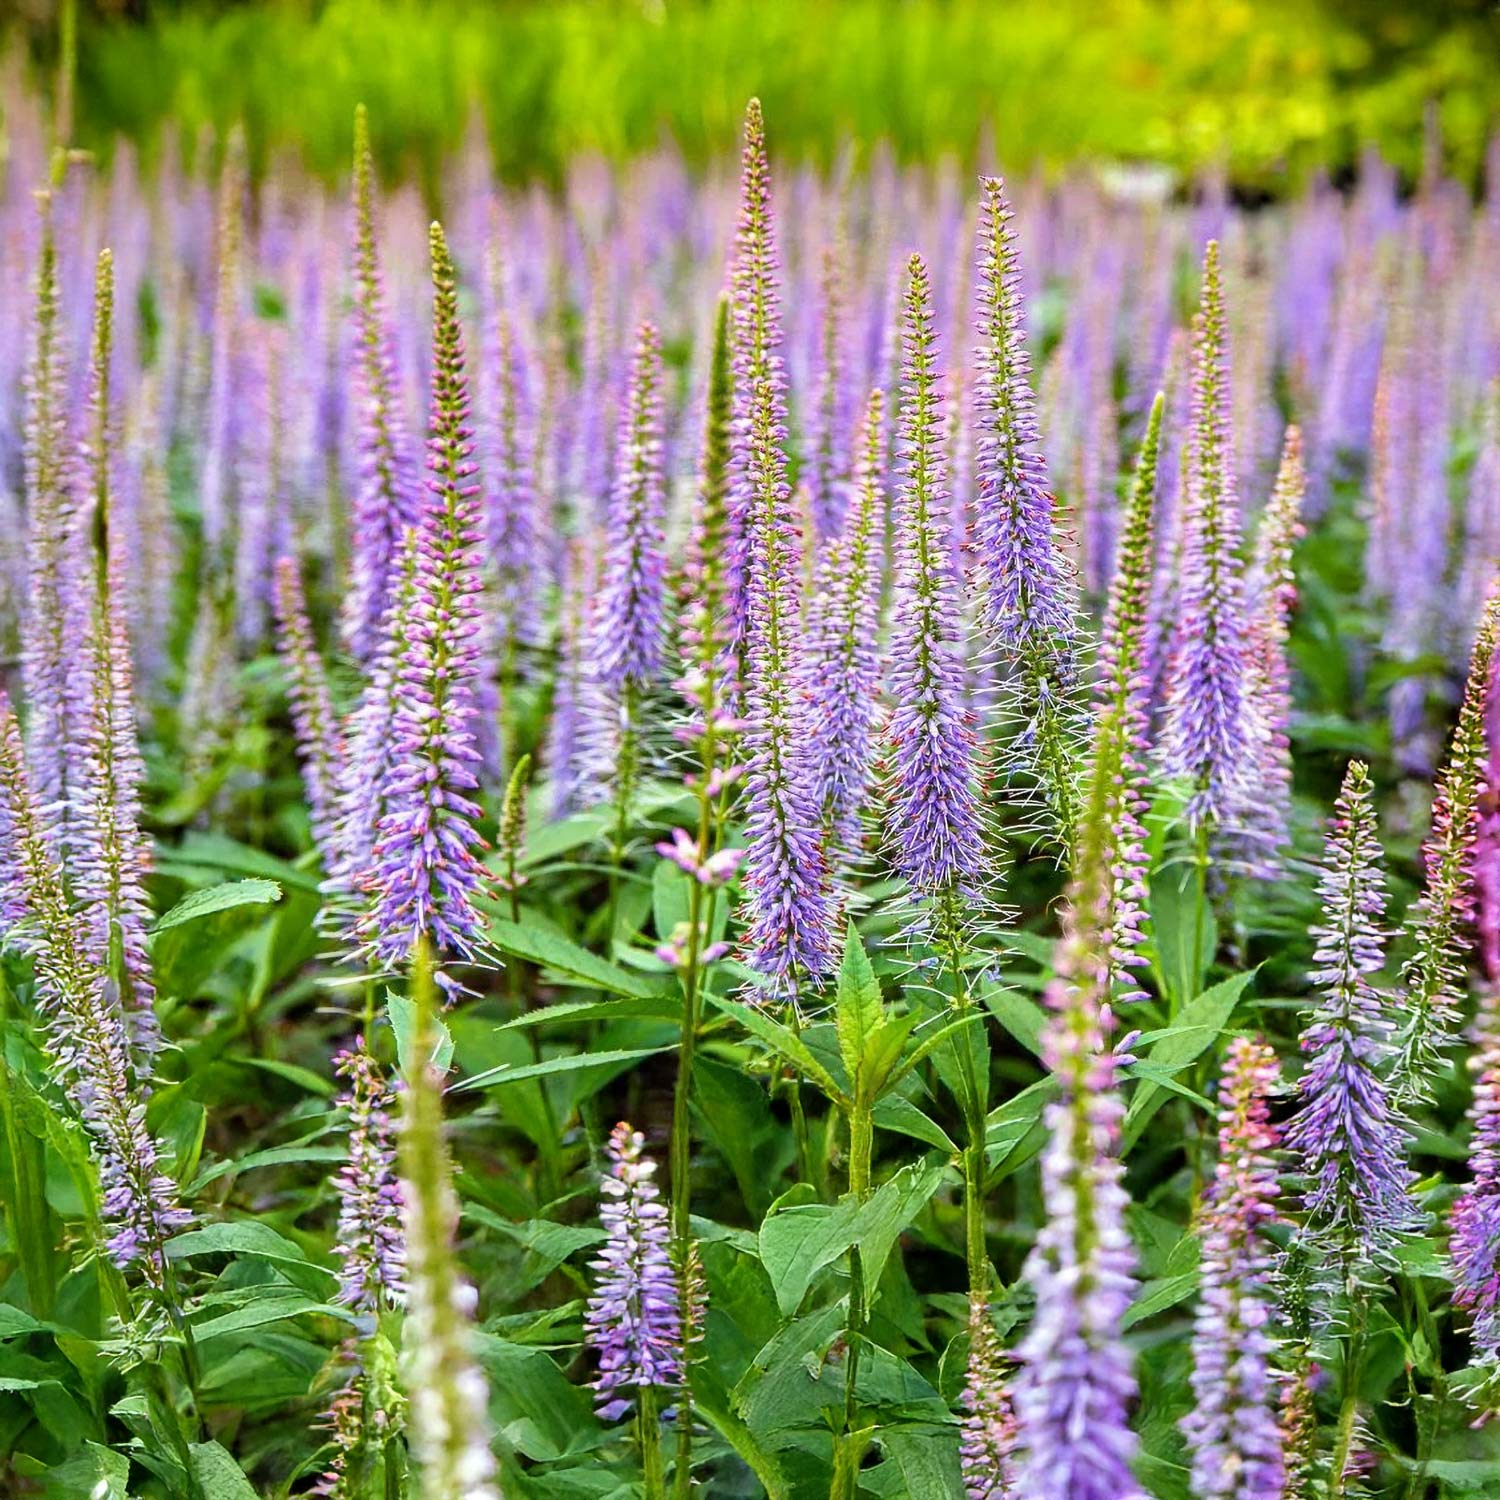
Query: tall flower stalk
(1122, 709)
(1268, 805)
(425, 873)
(388, 495)
(1076, 1383)
(1347, 1132)
(627, 633)
(318, 731)
(843, 650)
(448, 1423)
(111, 856)
(1027, 594)
(1207, 736)
(1232, 1431)
(1432, 980)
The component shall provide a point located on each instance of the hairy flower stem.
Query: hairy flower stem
(1354, 1359)
(852, 1441)
(648, 1435)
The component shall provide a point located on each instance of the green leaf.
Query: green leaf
(273, 1156)
(214, 851)
(1197, 1028)
(653, 1008)
(899, 1114)
(1018, 1013)
(617, 1059)
(928, 1460)
(1009, 1125)
(797, 1242)
(561, 956)
(218, 1475)
(274, 1304)
(403, 1014)
(671, 893)
(199, 904)
(1183, 929)
(259, 1241)
(783, 1041)
(1157, 1296)
(931, 1042)
(859, 1009)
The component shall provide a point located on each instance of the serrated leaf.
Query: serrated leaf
(859, 1011)
(403, 1014)
(218, 1475)
(216, 898)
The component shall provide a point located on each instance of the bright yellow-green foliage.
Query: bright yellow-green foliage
(1187, 82)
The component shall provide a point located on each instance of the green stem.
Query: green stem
(624, 791)
(975, 1111)
(1354, 1355)
(648, 1434)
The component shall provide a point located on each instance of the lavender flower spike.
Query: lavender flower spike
(1075, 1385)
(111, 856)
(85, 1034)
(988, 1426)
(627, 644)
(932, 794)
(1123, 708)
(449, 1426)
(1232, 1431)
(633, 1320)
(843, 650)
(319, 734)
(1433, 979)
(369, 1243)
(387, 497)
(1026, 590)
(1207, 738)
(55, 618)
(426, 873)
(1347, 1133)
(1268, 809)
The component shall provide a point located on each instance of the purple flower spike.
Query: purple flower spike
(387, 496)
(426, 873)
(1075, 1386)
(1024, 582)
(85, 1028)
(1269, 804)
(932, 791)
(319, 736)
(1350, 1138)
(370, 1244)
(1207, 738)
(515, 541)
(1232, 1431)
(843, 654)
(634, 1318)
(829, 418)
(627, 642)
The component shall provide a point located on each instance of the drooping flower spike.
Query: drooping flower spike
(1232, 1431)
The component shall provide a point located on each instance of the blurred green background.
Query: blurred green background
(1270, 90)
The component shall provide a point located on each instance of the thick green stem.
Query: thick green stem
(626, 769)
(648, 1434)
